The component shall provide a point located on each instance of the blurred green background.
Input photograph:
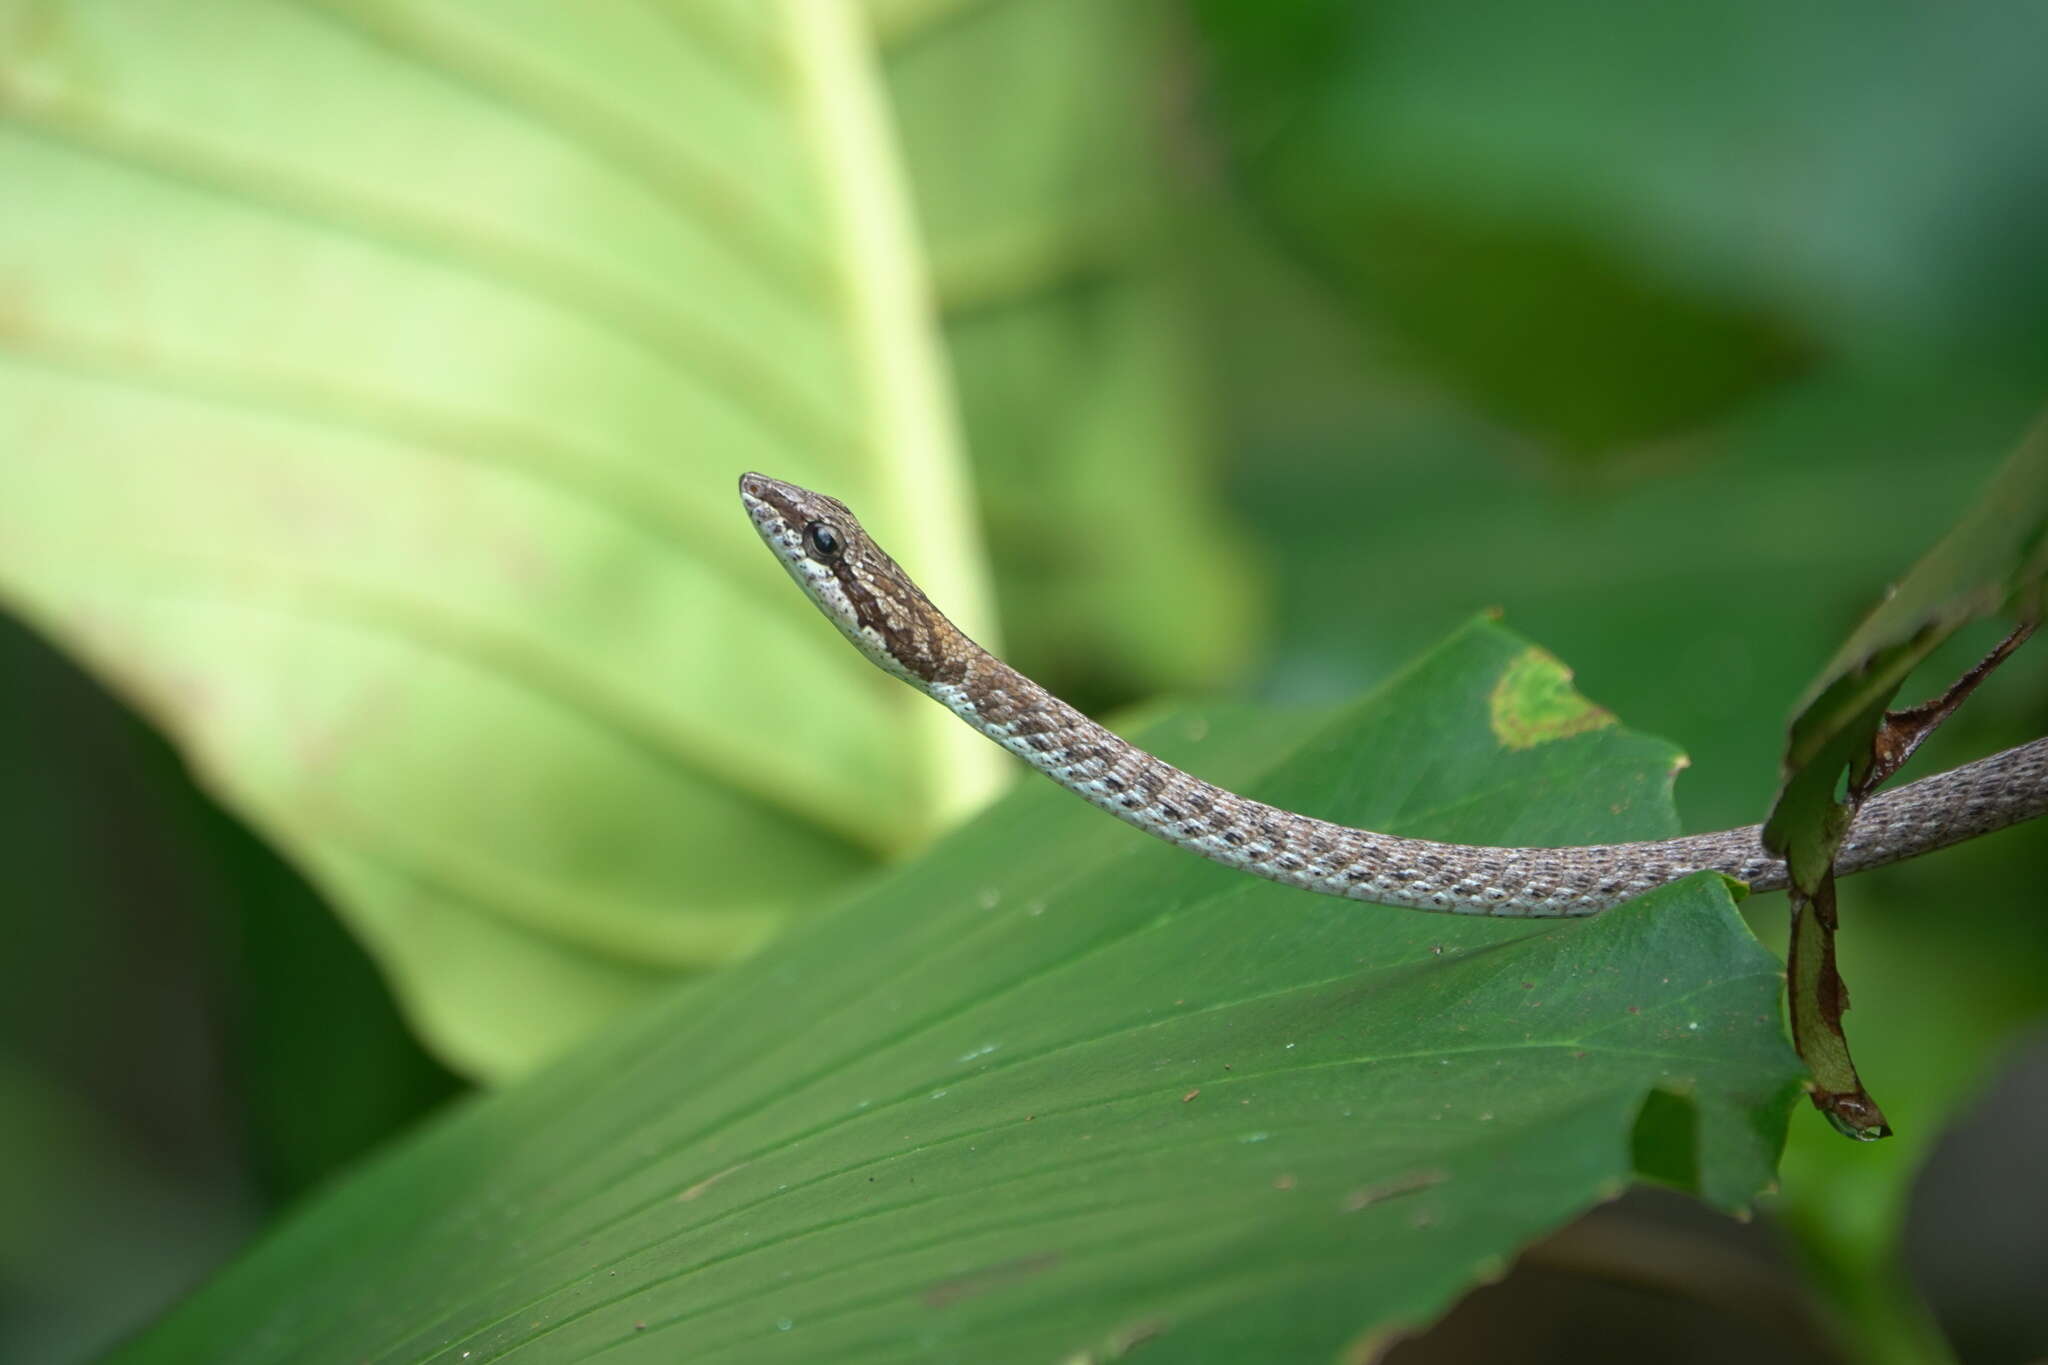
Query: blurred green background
(1286, 337)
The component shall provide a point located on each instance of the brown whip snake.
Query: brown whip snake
(876, 606)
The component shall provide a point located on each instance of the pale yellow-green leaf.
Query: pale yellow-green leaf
(373, 383)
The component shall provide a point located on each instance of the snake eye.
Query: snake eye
(822, 540)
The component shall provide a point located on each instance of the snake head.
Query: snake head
(853, 581)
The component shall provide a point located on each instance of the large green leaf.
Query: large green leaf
(1690, 599)
(373, 379)
(1055, 1090)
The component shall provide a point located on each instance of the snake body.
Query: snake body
(877, 606)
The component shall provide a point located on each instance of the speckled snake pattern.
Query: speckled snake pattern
(891, 621)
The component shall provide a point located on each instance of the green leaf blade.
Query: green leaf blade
(1056, 1085)
(382, 374)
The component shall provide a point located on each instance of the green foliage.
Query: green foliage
(1055, 1086)
(372, 380)
(1604, 224)
(1846, 736)
(396, 420)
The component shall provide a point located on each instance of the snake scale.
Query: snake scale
(890, 620)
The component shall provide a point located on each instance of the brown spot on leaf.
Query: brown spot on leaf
(1412, 1182)
(697, 1190)
(996, 1276)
